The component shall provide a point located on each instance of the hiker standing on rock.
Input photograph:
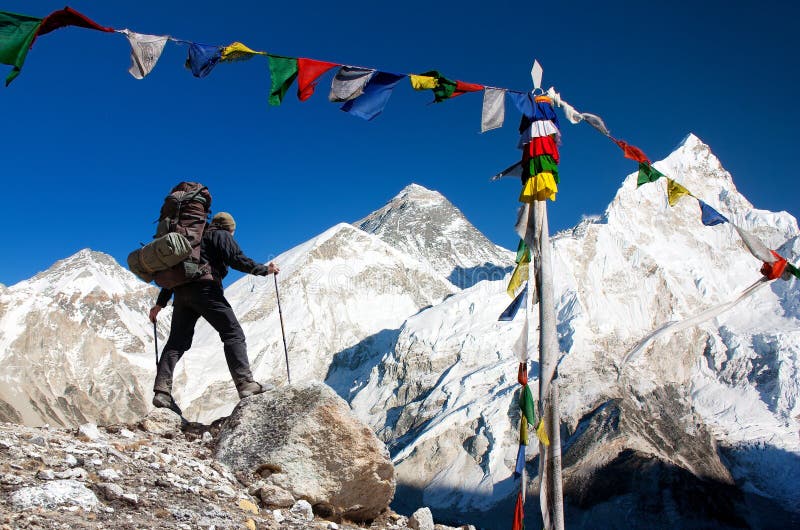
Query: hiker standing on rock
(205, 298)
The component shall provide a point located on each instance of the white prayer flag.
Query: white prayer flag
(145, 52)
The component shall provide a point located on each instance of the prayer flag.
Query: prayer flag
(710, 216)
(793, 270)
(541, 433)
(523, 431)
(596, 122)
(145, 52)
(236, 51)
(523, 252)
(539, 187)
(376, 94)
(202, 58)
(756, 247)
(282, 71)
(511, 311)
(493, 113)
(543, 145)
(632, 152)
(444, 89)
(526, 404)
(522, 374)
(519, 514)
(17, 33)
(519, 276)
(773, 270)
(521, 344)
(68, 17)
(423, 82)
(544, 164)
(514, 170)
(463, 88)
(520, 467)
(309, 71)
(349, 83)
(534, 108)
(675, 191)
(647, 173)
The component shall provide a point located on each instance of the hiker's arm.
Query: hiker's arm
(233, 255)
(161, 303)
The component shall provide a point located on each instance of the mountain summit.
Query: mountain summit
(423, 223)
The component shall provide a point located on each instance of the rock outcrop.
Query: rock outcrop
(305, 440)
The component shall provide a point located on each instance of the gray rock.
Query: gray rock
(111, 492)
(70, 460)
(207, 437)
(275, 497)
(109, 475)
(422, 519)
(46, 474)
(308, 441)
(278, 516)
(161, 421)
(54, 494)
(10, 480)
(303, 510)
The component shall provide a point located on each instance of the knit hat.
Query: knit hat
(224, 220)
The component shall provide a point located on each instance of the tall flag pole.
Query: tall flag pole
(540, 179)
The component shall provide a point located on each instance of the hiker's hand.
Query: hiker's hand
(154, 312)
(272, 268)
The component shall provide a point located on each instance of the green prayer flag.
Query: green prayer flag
(526, 404)
(647, 173)
(17, 33)
(282, 71)
(444, 88)
(523, 252)
(792, 269)
(544, 164)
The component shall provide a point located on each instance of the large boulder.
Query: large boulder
(306, 440)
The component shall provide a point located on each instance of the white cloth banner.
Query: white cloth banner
(349, 83)
(538, 129)
(145, 52)
(494, 109)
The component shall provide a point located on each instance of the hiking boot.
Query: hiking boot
(163, 400)
(251, 388)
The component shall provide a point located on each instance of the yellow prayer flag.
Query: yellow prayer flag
(238, 52)
(423, 82)
(540, 187)
(519, 276)
(523, 431)
(541, 432)
(675, 191)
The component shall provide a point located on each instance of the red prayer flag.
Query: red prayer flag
(68, 17)
(774, 270)
(632, 152)
(522, 374)
(544, 145)
(519, 514)
(463, 88)
(308, 71)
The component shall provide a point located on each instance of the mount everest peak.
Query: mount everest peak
(423, 223)
(381, 312)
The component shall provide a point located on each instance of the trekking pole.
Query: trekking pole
(283, 331)
(155, 341)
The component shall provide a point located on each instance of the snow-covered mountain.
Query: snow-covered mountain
(388, 311)
(424, 224)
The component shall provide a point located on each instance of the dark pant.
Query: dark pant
(192, 301)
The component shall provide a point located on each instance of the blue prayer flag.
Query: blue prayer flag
(520, 461)
(376, 94)
(532, 109)
(511, 311)
(202, 58)
(711, 217)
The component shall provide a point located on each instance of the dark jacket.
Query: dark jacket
(219, 251)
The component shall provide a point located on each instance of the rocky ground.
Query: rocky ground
(152, 474)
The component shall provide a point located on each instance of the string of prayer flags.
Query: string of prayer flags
(675, 191)
(145, 52)
(442, 87)
(376, 94)
(202, 59)
(282, 71)
(17, 33)
(756, 247)
(576, 117)
(493, 111)
(647, 173)
(349, 83)
(309, 72)
(709, 216)
(236, 51)
(539, 134)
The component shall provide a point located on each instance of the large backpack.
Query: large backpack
(173, 257)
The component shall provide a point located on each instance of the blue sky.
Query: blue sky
(89, 152)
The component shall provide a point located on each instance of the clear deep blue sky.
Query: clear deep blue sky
(89, 152)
